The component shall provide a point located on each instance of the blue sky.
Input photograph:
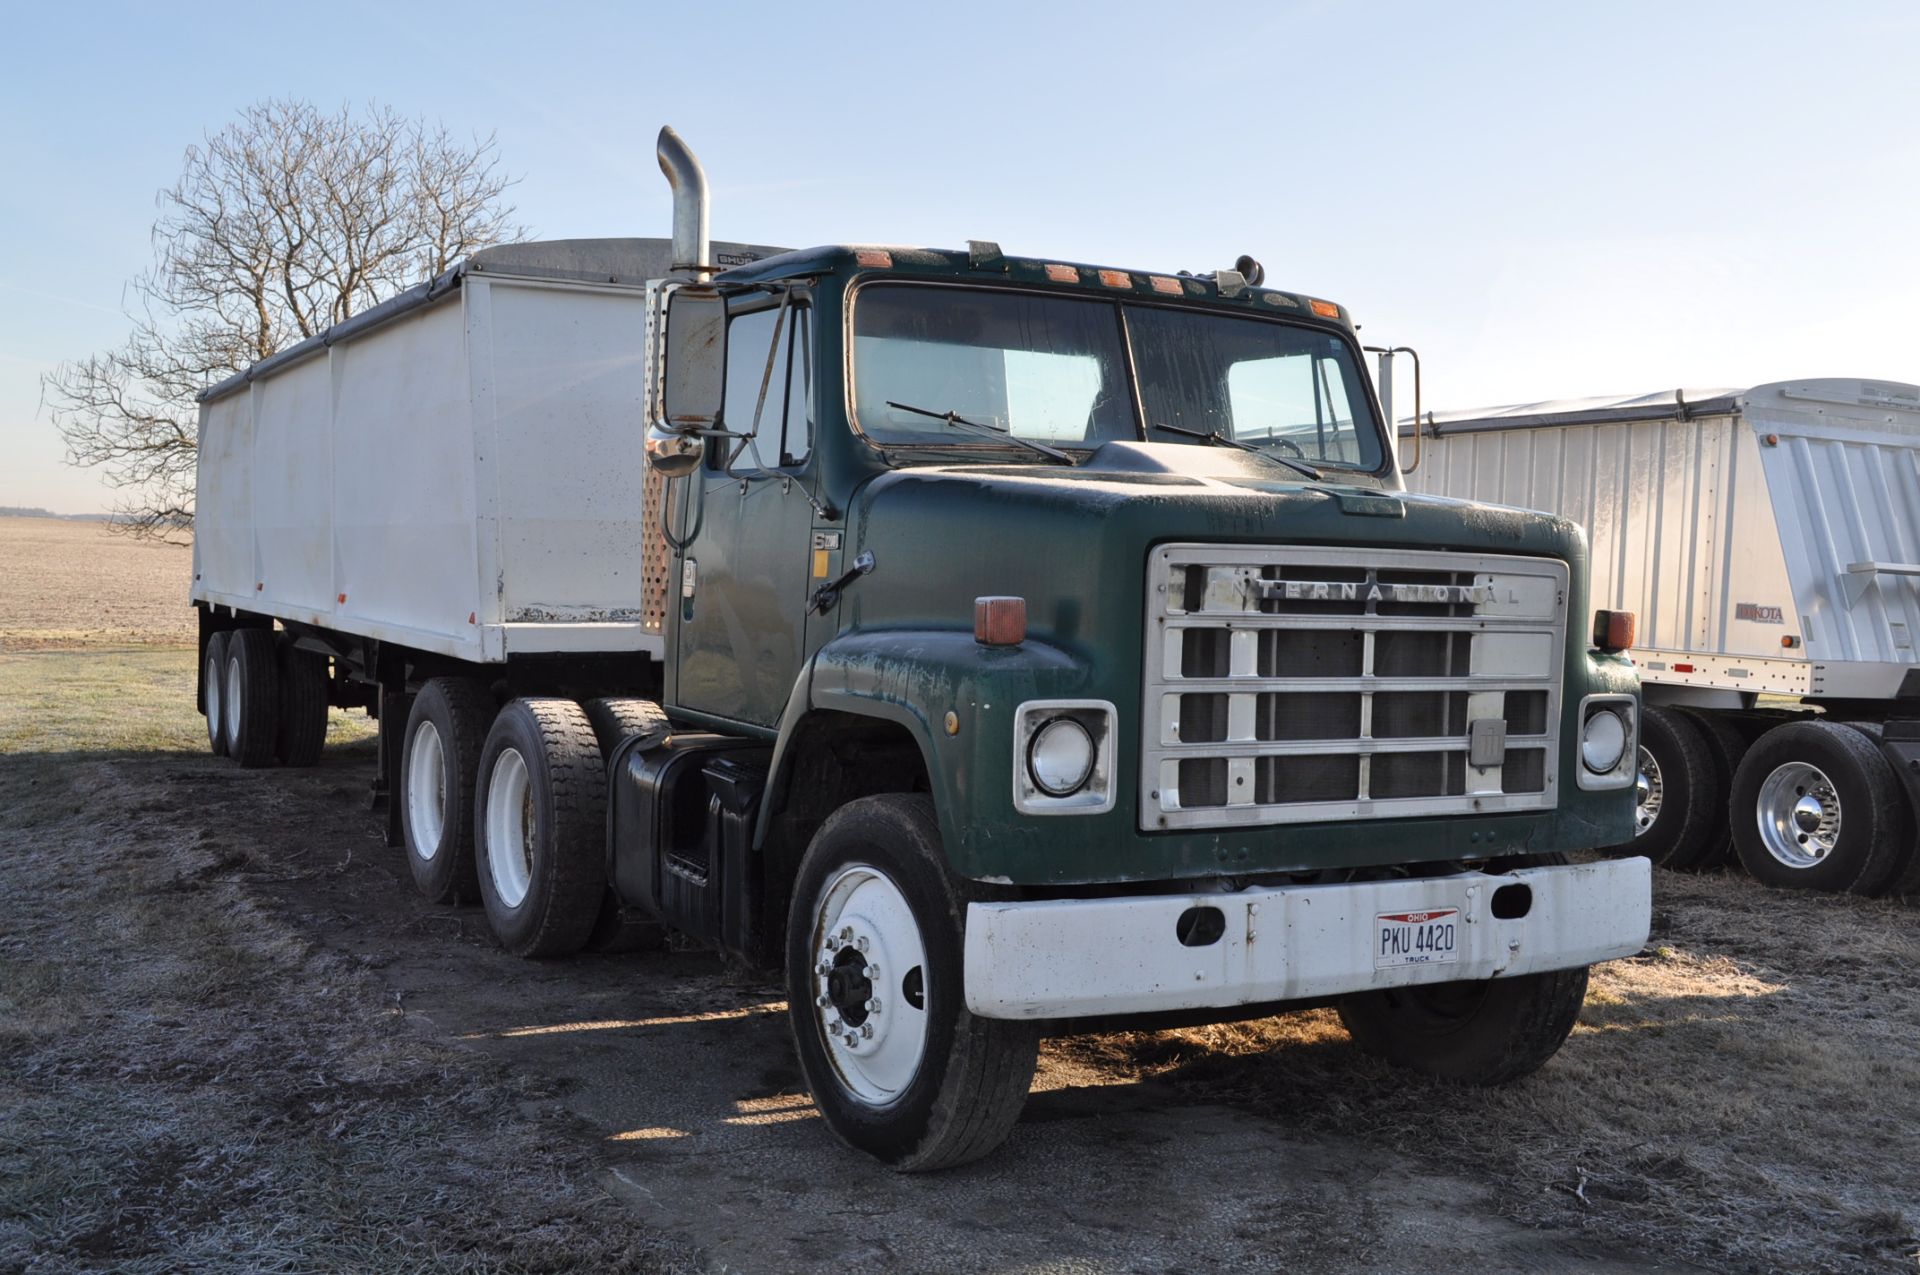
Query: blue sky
(1546, 199)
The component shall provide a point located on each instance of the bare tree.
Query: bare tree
(282, 224)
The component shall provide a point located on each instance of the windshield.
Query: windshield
(1038, 367)
(1053, 369)
(1292, 390)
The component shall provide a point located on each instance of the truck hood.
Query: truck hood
(1074, 540)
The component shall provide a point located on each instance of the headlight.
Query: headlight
(1603, 739)
(1060, 758)
(1063, 757)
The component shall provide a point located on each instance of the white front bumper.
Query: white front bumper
(1070, 958)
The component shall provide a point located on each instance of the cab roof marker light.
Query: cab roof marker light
(1325, 309)
(877, 257)
(1062, 274)
(1116, 279)
(1161, 283)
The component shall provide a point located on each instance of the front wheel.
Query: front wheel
(898, 1066)
(1488, 1032)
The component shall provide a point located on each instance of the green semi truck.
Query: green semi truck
(994, 645)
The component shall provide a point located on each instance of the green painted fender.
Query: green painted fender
(913, 679)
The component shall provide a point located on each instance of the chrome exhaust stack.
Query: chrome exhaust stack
(689, 182)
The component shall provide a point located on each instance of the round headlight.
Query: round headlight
(1060, 758)
(1602, 741)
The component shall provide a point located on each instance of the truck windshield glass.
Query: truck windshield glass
(1043, 368)
(1294, 390)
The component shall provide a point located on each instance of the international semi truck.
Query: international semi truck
(992, 645)
(1769, 541)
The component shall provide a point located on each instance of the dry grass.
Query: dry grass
(189, 1082)
(1745, 1095)
(66, 584)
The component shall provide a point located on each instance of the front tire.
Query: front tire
(898, 1066)
(1489, 1032)
(439, 762)
(540, 827)
(1816, 807)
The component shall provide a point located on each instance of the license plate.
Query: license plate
(1416, 938)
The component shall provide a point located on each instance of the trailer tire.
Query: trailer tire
(614, 722)
(934, 1086)
(303, 705)
(1726, 745)
(213, 692)
(1484, 1033)
(439, 763)
(1680, 797)
(1816, 806)
(252, 696)
(540, 827)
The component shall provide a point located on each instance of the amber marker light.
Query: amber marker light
(999, 621)
(1613, 630)
(1325, 309)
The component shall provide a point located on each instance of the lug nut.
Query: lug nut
(873, 1004)
(823, 1000)
(861, 942)
(823, 968)
(846, 934)
(833, 943)
(866, 1030)
(853, 1041)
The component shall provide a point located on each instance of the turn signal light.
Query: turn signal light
(999, 621)
(1613, 630)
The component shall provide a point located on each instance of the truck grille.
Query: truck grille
(1292, 684)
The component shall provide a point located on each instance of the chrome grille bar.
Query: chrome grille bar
(1288, 685)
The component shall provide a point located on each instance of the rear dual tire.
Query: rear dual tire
(446, 733)
(251, 697)
(1816, 806)
(540, 827)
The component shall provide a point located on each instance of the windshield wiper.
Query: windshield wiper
(1221, 440)
(955, 420)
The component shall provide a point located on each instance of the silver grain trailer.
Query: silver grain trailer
(1768, 540)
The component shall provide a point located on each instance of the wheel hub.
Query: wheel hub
(867, 949)
(1799, 815)
(1648, 793)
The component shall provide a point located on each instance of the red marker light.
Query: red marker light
(999, 621)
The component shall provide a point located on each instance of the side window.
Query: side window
(782, 431)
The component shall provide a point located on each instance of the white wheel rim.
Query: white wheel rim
(865, 938)
(427, 790)
(1799, 815)
(215, 699)
(510, 825)
(233, 698)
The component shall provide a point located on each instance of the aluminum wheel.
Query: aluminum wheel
(232, 702)
(427, 789)
(1799, 815)
(1648, 792)
(869, 980)
(510, 825)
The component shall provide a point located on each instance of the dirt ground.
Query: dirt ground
(67, 583)
(232, 1038)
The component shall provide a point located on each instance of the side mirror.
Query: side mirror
(694, 378)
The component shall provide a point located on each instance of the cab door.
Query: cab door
(739, 627)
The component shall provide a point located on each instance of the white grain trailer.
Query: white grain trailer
(453, 475)
(1768, 540)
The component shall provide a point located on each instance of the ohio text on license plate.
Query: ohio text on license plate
(1416, 938)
